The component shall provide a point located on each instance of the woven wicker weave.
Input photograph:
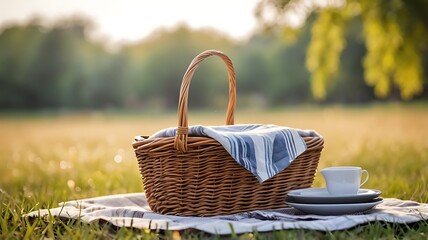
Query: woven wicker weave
(196, 176)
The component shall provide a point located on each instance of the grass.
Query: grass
(48, 159)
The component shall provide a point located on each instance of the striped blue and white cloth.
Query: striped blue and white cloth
(264, 150)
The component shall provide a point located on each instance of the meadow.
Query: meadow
(49, 158)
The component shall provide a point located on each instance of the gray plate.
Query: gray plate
(335, 209)
(321, 195)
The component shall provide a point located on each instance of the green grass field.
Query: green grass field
(46, 159)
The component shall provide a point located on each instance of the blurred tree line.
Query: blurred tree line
(61, 67)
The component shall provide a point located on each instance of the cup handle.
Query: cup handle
(367, 177)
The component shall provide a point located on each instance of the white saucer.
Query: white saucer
(321, 195)
(335, 209)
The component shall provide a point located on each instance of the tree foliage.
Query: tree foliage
(394, 32)
(43, 67)
(60, 66)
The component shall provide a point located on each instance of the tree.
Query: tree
(159, 62)
(394, 32)
(17, 55)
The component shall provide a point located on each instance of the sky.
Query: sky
(132, 20)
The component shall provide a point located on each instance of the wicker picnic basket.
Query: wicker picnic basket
(196, 176)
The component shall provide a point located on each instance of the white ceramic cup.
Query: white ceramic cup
(344, 179)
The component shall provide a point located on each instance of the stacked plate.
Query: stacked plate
(320, 202)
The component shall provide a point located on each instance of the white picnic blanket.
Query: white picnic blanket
(132, 210)
(264, 150)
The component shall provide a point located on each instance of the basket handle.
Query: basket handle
(180, 142)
